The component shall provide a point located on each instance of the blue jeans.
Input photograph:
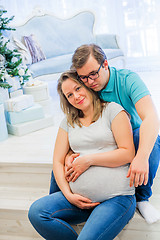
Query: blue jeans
(52, 217)
(144, 192)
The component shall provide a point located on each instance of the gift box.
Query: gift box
(15, 83)
(3, 127)
(33, 113)
(28, 127)
(3, 95)
(38, 89)
(19, 103)
(16, 93)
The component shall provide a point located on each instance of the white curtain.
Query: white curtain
(136, 22)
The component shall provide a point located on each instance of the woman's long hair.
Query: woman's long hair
(73, 114)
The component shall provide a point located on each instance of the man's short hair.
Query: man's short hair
(83, 52)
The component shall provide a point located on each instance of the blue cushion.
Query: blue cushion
(107, 41)
(51, 65)
(113, 53)
(63, 63)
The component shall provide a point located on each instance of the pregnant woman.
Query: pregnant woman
(99, 193)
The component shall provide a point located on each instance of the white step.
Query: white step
(14, 205)
(139, 235)
(25, 175)
(36, 175)
(15, 223)
(22, 184)
(10, 237)
(19, 198)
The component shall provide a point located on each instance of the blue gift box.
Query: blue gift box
(32, 113)
(3, 127)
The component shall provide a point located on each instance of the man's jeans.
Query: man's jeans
(144, 192)
(53, 215)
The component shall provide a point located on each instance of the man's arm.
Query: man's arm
(68, 162)
(149, 129)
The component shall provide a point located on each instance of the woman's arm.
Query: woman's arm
(124, 154)
(60, 151)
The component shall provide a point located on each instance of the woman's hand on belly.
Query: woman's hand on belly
(81, 202)
(76, 168)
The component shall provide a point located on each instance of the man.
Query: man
(127, 89)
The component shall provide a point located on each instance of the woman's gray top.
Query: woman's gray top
(98, 183)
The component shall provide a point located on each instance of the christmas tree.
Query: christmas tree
(10, 60)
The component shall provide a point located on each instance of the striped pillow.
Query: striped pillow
(34, 48)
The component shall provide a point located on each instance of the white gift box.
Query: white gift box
(19, 103)
(3, 127)
(14, 82)
(28, 127)
(38, 89)
(4, 95)
(16, 93)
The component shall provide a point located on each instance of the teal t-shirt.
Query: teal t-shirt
(126, 88)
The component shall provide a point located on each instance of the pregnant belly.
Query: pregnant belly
(102, 183)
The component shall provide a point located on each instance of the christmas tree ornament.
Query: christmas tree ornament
(11, 64)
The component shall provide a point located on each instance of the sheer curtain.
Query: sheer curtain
(59, 8)
(136, 22)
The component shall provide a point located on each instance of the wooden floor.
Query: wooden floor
(25, 166)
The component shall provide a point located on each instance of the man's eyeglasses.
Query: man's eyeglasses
(92, 76)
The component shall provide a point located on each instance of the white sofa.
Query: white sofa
(59, 38)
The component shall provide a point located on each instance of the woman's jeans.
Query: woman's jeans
(52, 217)
(143, 192)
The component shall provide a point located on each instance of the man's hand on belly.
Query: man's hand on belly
(76, 168)
(68, 163)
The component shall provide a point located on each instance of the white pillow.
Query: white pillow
(25, 54)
